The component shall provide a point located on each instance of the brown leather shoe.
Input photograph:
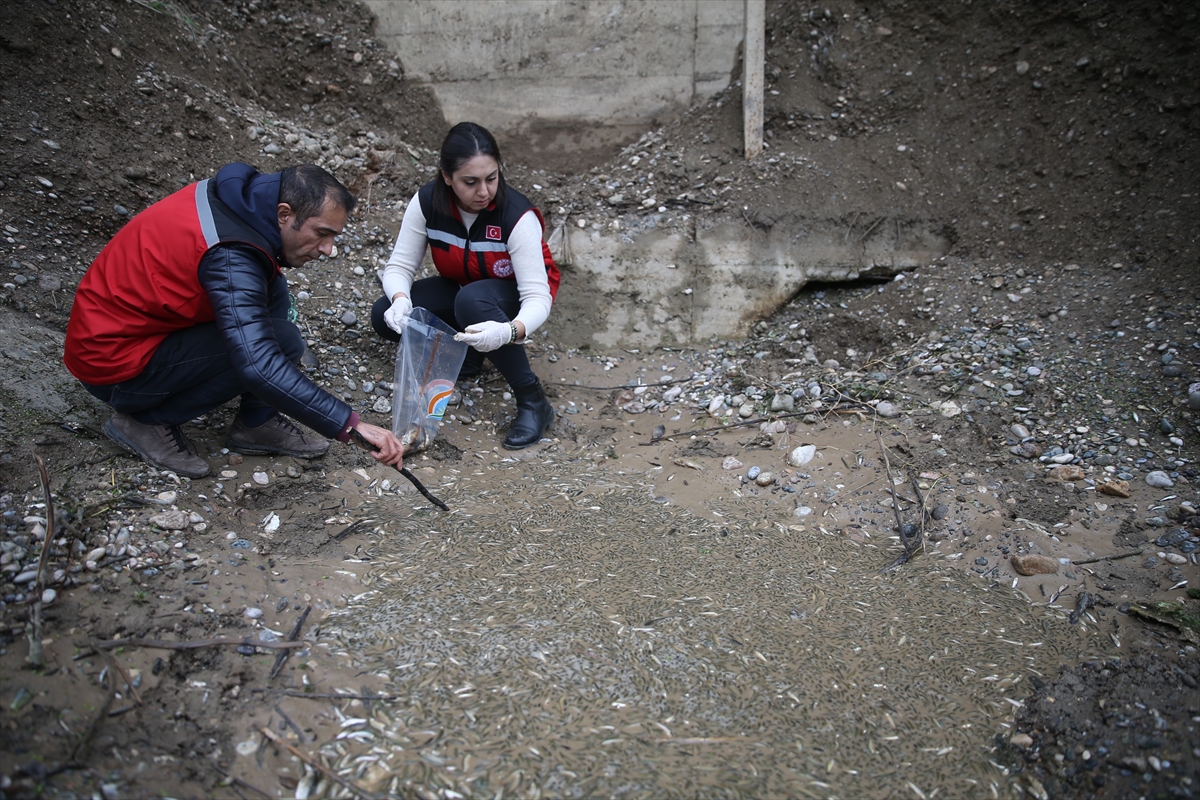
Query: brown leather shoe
(164, 446)
(277, 435)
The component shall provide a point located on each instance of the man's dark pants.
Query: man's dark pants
(190, 374)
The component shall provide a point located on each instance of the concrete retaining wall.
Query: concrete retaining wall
(508, 64)
(659, 288)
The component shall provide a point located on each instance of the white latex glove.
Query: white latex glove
(400, 309)
(486, 336)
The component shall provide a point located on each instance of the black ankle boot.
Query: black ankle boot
(534, 416)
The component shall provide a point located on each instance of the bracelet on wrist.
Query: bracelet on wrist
(513, 327)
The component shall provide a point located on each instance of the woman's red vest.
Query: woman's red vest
(482, 252)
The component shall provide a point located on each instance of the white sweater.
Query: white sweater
(524, 247)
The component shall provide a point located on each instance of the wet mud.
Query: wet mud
(582, 626)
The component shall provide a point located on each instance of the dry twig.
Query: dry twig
(317, 765)
(226, 641)
(293, 636)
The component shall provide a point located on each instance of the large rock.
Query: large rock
(170, 520)
(1031, 564)
(1113, 487)
(1066, 473)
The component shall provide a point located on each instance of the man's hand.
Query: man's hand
(487, 335)
(400, 309)
(389, 449)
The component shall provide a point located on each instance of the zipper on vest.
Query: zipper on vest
(467, 253)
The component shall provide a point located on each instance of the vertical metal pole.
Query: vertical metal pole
(753, 56)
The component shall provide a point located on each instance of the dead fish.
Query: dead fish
(1082, 603)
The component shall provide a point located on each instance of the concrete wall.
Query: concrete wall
(657, 288)
(507, 63)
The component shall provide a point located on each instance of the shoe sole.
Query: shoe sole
(549, 425)
(125, 444)
(259, 450)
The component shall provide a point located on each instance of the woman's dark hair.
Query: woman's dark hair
(305, 188)
(465, 141)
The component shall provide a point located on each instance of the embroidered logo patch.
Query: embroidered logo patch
(493, 233)
(502, 268)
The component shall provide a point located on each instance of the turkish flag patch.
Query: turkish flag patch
(493, 233)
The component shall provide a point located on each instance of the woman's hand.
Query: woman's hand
(487, 336)
(400, 309)
(388, 447)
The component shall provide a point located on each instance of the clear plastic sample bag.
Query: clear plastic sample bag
(427, 364)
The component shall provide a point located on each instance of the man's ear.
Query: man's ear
(285, 214)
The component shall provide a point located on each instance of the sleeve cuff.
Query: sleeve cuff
(350, 425)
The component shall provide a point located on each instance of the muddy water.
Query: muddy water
(569, 630)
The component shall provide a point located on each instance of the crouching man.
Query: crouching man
(187, 308)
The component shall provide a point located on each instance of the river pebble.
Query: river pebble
(171, 520)
(801, 455)
(887, 410)
(1159, 480)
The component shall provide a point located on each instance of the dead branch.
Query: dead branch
(1113, 557)
(317, 765)
(159, 644)
(293, 636)
(84, 749)
(329, 695)
(119, 668)
(241, 783)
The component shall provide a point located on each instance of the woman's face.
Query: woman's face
(474, 183)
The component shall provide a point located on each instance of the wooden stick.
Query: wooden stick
(293, 636)
(331, 695)
(1113, 557)
(109, 644)
(120, 669)
(361, 441)
(239, 782)
(318, 766)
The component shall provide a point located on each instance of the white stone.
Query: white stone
(261, 478)
(887, 410)
(170, 520)
(801, 455)
(1159, 480)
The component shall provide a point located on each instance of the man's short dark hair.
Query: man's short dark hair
(305, 189)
